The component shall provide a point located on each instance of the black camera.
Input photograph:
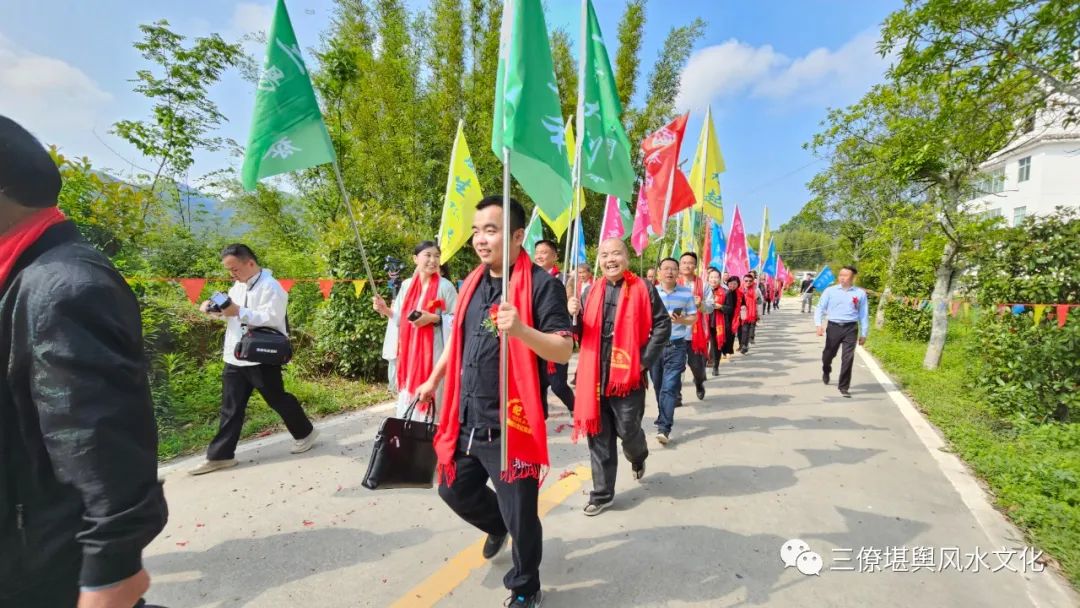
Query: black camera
(219, 302)
(393, 266)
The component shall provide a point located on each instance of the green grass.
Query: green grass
(191, 411)
(1033, 471)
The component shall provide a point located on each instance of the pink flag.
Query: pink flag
(612, 227)
(781, 271)
(639, 239)
(736, 260)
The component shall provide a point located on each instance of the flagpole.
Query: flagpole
(504, 353)
(570, 241)
(352, 220)
(579, 134)
(704, 179)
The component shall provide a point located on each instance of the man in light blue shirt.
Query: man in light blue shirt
(849, 319)
(667, 371)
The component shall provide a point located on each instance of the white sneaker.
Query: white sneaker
(662, 438)
(213, 465)
(302, 445)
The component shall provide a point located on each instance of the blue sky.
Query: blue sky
(769, 70)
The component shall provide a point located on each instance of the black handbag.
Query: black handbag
(264, 345)
(403, 455)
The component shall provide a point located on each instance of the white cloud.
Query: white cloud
(249, 17)
(47, 95)
(821, 76)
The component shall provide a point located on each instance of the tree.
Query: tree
(628, 57)
(933, 136)
(566, 71)
(990, 41)
(804, 249)
(665, 79)
(183, 113)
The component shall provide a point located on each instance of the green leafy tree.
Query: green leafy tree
(184, 116)
(628, 57)
(566, 71)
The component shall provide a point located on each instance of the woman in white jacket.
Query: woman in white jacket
(419, 323)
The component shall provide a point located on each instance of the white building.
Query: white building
(1035, 174)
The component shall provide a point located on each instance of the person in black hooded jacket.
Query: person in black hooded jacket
(79, 493)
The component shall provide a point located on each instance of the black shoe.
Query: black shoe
(493, 545)
(524, 601)
(639, 471)
(701, 392)
(845, 393)
(825, 377)
(715, 371)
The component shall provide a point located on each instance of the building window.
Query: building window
(1018, 215)
(1025, 169)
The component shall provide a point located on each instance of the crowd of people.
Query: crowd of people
(77, 414)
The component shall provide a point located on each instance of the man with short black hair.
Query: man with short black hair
(81, 496)
(847, 310)
(256, 299)
(806, 294)
(699, 335)
(668, 368)
(546, 256)
(469, 442)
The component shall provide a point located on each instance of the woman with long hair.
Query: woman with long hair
(419, 321)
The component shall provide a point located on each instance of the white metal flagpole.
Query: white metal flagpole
(352, 220)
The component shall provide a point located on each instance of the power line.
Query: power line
(774, 180)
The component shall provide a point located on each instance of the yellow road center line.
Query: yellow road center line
(458, 568)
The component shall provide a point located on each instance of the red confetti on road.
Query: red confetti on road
(308, 523)
(182, 543)
(567, 473)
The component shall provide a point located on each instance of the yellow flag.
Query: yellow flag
(358, 286)
(688, 230)
(462, 195)
(705, 174)
(558, 225)
(1040, 310)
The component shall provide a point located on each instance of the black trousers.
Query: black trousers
(745, 335)
(510, 507)
(696, 363)
(237, 383)
(835, 335)
(557, 382)
(716, 344)
(620, 418)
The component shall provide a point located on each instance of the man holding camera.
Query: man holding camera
(256, 300)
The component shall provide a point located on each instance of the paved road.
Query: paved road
(770, 455)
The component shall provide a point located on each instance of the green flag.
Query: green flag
(534, 233)
(528, 116)
(287, 130)
(605, 154)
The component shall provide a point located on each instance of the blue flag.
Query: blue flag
(581, 257)
(753, 256)
(719, 246)
(770, 260)
(824, 279)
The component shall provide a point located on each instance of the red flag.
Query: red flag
(325, 285)
(193, 288)
(639, 238)
(781, 271)
(287, 284)
(662, 174)
(736, 260)
(1062, 314)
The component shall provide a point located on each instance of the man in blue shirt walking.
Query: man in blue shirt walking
(667, 370)
(848, 313)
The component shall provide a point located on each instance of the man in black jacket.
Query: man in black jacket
(79, 493)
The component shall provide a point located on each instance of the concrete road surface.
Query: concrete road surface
(771, 455)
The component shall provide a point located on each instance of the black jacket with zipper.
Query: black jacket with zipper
(79, 493)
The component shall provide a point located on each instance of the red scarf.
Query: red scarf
(699, 336)
(416, 346)
(22, 236)
(554, 271)
(749, 297)
(633, 324)
(719, 293)
(526, 430)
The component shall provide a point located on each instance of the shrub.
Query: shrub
(1030, 371)
(908, 323)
